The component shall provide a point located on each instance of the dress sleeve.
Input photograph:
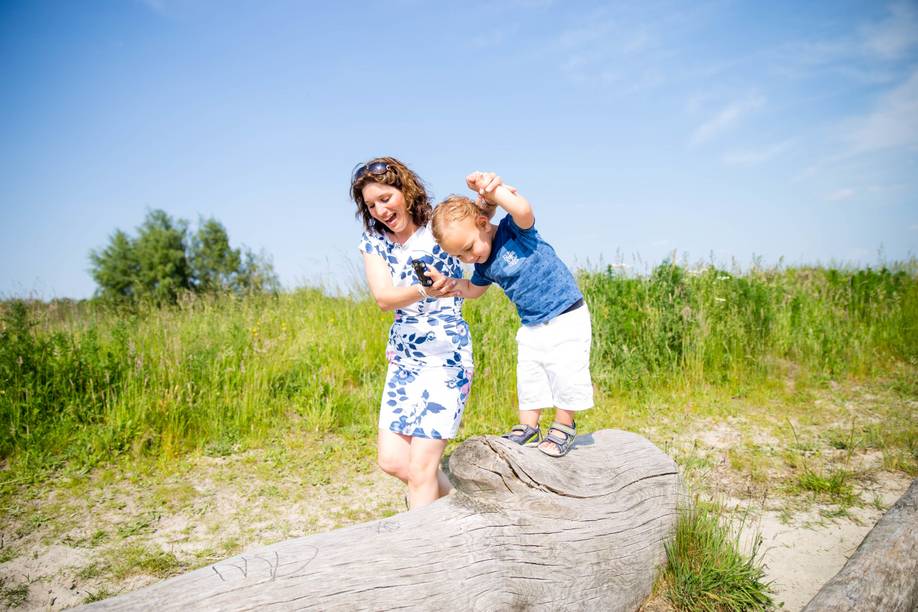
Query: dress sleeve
(371, 244)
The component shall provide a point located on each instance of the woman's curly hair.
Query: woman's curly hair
(401, 177)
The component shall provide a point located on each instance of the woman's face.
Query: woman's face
(387, 204)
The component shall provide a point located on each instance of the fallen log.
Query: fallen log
(522, 531)
(882, 574)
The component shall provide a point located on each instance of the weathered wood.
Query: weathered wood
(882, 574)
(522, 531)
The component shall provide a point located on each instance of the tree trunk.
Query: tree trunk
(522, 531)
(882, 574)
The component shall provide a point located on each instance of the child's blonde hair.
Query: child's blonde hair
(455, 208)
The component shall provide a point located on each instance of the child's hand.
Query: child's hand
(484, 183)
(443, 286)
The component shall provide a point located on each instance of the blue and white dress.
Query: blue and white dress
(430, 348)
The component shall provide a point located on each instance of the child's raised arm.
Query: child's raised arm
(490, 187)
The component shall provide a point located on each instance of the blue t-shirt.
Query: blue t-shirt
(530, 273)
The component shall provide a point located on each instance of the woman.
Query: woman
(429, 349)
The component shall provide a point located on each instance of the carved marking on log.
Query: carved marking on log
(272, 565)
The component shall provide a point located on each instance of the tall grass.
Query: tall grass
(81, 383)
(706, 569)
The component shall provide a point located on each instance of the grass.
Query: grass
(82, 383)
(275, 399)
(706, 570)
(13, 595)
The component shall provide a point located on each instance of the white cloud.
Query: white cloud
(726, 118)
(494, 37)
(893, 37)
(840, 195)
(157, 6)
(577, 37)
(893, 122)
(752, 157)
(618, 49)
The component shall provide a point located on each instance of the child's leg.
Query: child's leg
(424, 485)
(565, 417)
(393, 452)
(530, 417)
(532, 387)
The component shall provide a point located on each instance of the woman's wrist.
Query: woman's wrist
(422, 292)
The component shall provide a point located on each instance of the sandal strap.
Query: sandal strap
(520, 433)
(565, 429)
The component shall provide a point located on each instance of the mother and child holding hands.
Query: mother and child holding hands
(412, 253)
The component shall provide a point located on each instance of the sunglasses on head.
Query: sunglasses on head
(375, 168)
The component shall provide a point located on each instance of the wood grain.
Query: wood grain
(523, 531)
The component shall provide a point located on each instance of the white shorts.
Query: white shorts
(553, 366)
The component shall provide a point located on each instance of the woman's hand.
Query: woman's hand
(443, 286)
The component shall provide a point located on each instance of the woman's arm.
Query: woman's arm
(390, 297)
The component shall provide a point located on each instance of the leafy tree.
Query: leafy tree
(165, 259)
(215, 266)
(160, 250)
(116, 268)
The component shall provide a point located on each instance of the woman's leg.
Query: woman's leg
(424, 485)
(444, 486)
(393, 452)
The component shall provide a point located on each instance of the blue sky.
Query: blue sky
(718, 130)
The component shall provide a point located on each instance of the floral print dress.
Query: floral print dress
(429, 349)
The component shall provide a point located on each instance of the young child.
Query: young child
(553, 367)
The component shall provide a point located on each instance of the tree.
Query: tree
(215, 266)
(165, 260)
(160, 250)
(116, 269)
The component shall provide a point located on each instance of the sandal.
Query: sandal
(524, 435)
(561, 437)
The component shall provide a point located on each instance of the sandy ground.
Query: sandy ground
(63, 543)
(799, 555)
(802, 555)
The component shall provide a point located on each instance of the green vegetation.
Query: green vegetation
(707, 571)
(164, 261)
(13, 595)
(83, 383)
(793, 385)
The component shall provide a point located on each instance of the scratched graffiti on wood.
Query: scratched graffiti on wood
(265, 568)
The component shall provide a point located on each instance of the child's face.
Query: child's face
(387, 204)
(468, 239)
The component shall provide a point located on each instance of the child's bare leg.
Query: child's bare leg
(530, 417)
(423, 466)
(393, 451)
(565, 417)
